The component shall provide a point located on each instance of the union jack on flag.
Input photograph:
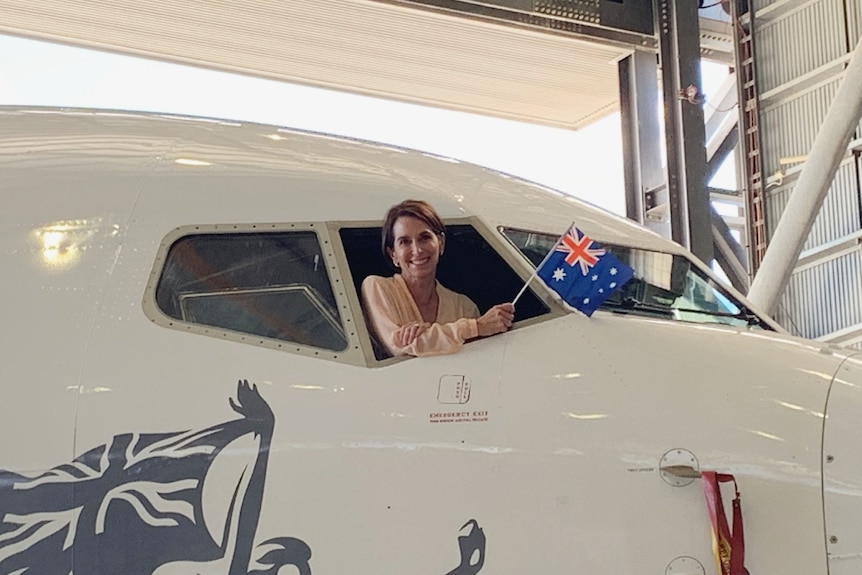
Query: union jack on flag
(579, 249)
(601, 273)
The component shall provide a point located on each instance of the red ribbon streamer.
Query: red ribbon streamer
(728, 546)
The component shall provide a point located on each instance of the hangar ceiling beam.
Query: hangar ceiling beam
(623, 22)
(826, 154)
(399, 51)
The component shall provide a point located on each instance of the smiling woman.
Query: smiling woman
(411, 312)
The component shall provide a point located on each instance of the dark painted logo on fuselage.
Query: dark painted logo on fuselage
(134, 506)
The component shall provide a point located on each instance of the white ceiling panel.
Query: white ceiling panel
(372, 48)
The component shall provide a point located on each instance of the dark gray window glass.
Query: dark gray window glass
(272, 285)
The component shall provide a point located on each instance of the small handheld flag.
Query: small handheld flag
(582, 272)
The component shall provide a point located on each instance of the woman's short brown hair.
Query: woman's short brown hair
(418, 209)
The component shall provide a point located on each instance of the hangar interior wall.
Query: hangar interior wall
(801, 50)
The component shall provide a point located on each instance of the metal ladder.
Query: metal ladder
(749, 120)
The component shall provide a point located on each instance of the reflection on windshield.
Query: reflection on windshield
(664, 285)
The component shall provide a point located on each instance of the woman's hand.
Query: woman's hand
(407, 334)
(496, 320)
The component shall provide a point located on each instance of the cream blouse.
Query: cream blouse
(389, 305)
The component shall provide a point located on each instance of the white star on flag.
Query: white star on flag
(599, 272)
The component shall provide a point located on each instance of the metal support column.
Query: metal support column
(679, 47)
(641, 130)
(729, 254)
(722, 149)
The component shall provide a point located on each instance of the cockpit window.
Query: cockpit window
(272, 285)
(471, 266)
(664, 285)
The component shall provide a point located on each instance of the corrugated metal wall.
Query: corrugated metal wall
(810, 304)
(789, 46)
(801, 49)
(854, 17)
(789, 128)
(838, 217)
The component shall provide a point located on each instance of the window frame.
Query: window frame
(353, 354)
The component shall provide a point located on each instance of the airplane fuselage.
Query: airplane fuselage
(570, 444)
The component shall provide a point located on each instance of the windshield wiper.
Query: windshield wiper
(743, 314)
(631, 303)
(752, 318)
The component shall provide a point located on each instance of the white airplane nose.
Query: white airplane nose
(842, 469)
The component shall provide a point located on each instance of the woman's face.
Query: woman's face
(416, 249)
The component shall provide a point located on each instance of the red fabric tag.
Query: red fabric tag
(728, 545)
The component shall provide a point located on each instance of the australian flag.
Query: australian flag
(582, 271)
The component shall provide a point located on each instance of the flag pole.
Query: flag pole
(524, 288)
(538, 267)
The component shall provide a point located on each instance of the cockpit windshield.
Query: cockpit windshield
(664, 285)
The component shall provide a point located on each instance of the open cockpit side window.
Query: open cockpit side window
(270, 285)
(470, 266)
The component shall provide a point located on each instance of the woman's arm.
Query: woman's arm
(382, 306)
